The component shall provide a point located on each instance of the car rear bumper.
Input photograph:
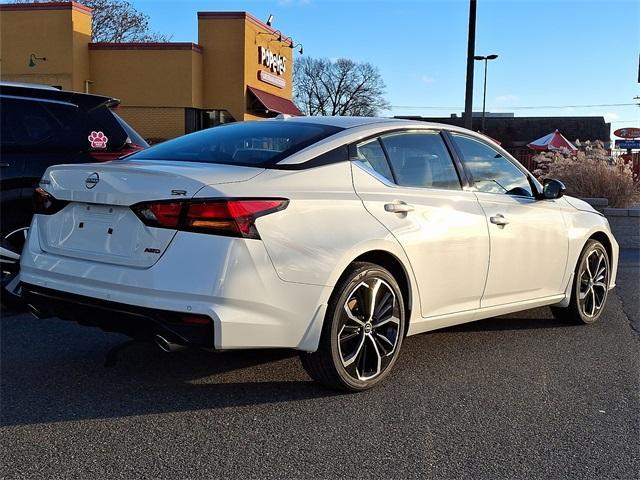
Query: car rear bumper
(230, 280)
(137, 322)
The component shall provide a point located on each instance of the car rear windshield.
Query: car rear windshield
(248, 144)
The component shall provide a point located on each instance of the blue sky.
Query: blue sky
(551, 53)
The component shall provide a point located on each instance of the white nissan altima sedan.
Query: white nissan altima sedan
(333, 236)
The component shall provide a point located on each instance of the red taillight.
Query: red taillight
(221, 217)
(193, 319)
(46, 204)
(165, 214)
(105, 156)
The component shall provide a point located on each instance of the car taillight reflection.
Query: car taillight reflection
(105, 156)
(46, 204)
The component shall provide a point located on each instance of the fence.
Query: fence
(634, 160)
(525, 157)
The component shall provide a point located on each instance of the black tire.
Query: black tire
(369, 342)
(590, 287)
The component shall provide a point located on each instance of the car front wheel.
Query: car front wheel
(590, 286)
(362, 333)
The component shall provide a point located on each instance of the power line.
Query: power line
(595, 105)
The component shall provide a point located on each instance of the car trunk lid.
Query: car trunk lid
(98, 223)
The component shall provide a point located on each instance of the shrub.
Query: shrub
(591, 172)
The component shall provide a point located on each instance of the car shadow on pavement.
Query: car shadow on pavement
(508, 322)
(53, 381)
(54, 371)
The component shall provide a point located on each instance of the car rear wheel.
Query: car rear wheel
(12, 243)
(362, 333)
(590, 286)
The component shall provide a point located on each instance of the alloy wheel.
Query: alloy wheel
(593, 283)
(369, 329)
(10, 251)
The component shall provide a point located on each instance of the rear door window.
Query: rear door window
(371, 155)
(421, 159)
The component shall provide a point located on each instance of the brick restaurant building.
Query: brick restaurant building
(240, 69)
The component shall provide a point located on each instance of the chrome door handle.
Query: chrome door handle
(499, 220)
(398, 207)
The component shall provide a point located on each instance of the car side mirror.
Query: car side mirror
(553, 188)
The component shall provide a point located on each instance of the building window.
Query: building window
(199, 119)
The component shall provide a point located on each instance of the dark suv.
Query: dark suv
(42, 126)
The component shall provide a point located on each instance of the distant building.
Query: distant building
(514, 133)
(240, 69)
(486, 114)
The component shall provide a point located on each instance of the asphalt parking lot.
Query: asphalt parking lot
(521, 396)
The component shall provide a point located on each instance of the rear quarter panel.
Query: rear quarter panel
(324, 227)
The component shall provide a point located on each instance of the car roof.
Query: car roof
(46, 92)
(353, 122)
(341, 122)
(358, 128)
(27, 85)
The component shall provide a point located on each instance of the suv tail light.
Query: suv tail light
(105, 156)
(230, 217)
(46, 204)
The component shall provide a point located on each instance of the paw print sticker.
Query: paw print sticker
(98, 140)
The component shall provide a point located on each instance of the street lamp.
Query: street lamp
(484, 97)
(292, 46)
(33, 58)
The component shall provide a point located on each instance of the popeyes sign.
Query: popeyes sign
(628, 132)
(276, 63)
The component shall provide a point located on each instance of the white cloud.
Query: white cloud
(507, 98)
(427, 80)
(610, 117)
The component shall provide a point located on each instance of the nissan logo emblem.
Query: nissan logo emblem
(92, 180)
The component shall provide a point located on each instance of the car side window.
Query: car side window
(490, 171)
(371, 155)
(421, 159)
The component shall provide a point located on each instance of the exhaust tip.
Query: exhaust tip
(167, 346)
(33, 310)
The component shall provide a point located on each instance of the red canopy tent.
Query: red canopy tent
(553, 141)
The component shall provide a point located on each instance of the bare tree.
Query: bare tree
(342, 87)
(117, 21)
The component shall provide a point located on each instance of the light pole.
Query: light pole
(484, 97)
(471, 48)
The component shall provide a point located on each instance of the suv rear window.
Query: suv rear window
(36, 124)
(248, 144)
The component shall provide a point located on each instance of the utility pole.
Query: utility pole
(471, 47)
